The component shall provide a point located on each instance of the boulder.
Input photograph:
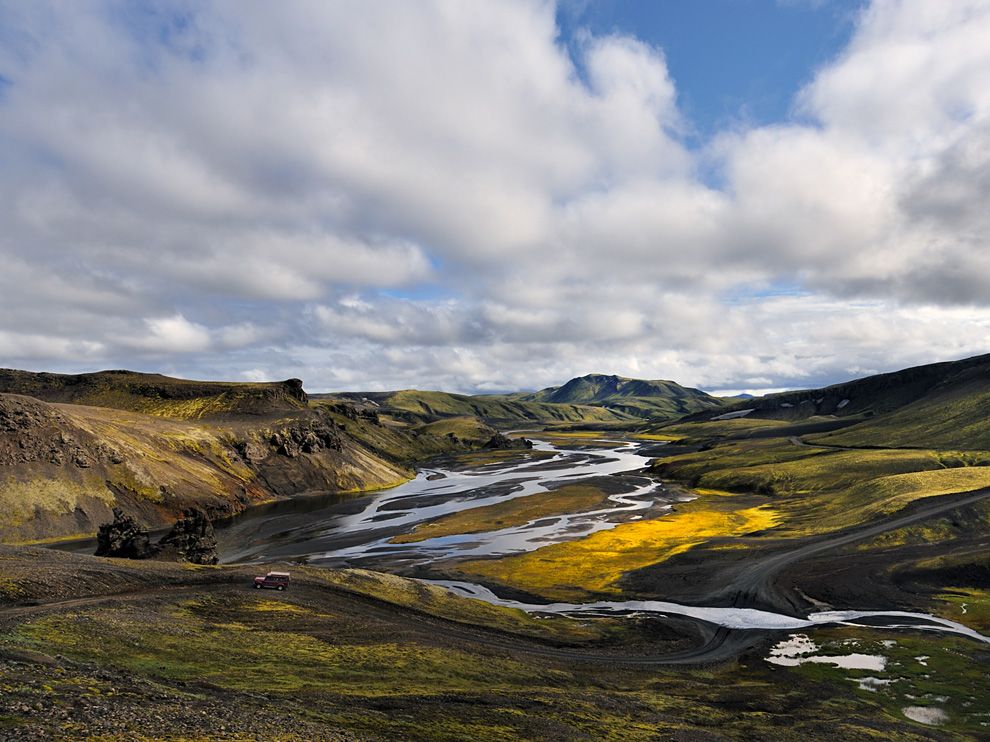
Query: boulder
(500, 441)
(124, 538)
(191, 539)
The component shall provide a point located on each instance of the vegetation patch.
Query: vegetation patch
(969, 606)
(21, 501)
(190, 647)
(943, 673)
(596, 563)
(822, 489)
(438, 601)
(574, 498)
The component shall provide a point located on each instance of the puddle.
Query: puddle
(872, 684)
(931, 715)
(799, 648)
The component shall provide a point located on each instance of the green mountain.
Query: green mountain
(665, 400)
(419, 406)
(939, 405)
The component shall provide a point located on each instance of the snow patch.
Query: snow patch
(734, 415)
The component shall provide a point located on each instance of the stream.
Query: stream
(348, 531)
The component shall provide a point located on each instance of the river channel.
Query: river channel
(342, 531)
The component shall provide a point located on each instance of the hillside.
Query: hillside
(419, 406)
(158, 395)
(63, 467)
(637, 397)
(939, 405)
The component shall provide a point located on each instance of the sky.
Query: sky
(488, 196)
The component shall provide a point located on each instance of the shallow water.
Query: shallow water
(342, 531)
(357, 531)
(730, 618)
(931, 715)
(799, 649)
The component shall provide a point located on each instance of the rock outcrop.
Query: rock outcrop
(32, 431)
(310, 437)
(500, 441)
(191, 539)
(124, 538)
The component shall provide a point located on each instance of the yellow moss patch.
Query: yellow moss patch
(10, 588)
(51, 540)
(711, 493)
(896, 491)
(596, 563)
(438, 601)
(20, 501)
(277, 606)
(573, 498)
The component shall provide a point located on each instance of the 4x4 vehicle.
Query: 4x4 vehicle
(273, 580)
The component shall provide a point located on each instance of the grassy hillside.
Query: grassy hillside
(953, 414)
(665, 400)
(933, 385)
(412, 404)
(158, 395)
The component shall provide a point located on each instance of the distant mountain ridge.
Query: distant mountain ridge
(424, 406)
(936, 405)
(657, 398)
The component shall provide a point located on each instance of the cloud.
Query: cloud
(174, 335)
(436, 194)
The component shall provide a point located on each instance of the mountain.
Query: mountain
(419, 406)
(155, 446)
(158, 395)
(636, 397)
(939, 405)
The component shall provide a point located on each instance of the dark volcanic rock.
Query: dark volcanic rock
(311, 437)
(123, 538)
(500, 441)
(191, 539)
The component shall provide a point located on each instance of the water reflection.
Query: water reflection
(357, 530)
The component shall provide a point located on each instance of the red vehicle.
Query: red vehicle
(273, 581)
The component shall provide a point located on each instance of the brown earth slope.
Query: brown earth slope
(64, 466)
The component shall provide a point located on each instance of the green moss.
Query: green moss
(821, 489)
(240, 656)
(949, 675)
(440, 602)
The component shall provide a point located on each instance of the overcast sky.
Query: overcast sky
(475, 195)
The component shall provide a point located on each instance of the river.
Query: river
(335, 530)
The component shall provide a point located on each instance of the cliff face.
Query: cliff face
(158, 395)
(64, 467)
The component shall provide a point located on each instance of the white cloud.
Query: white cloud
(174, 335)
(261, 192)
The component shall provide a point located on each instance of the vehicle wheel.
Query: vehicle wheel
(257, 586)
(281, 588)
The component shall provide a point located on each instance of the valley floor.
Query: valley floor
(759, 516)
(153, 651)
